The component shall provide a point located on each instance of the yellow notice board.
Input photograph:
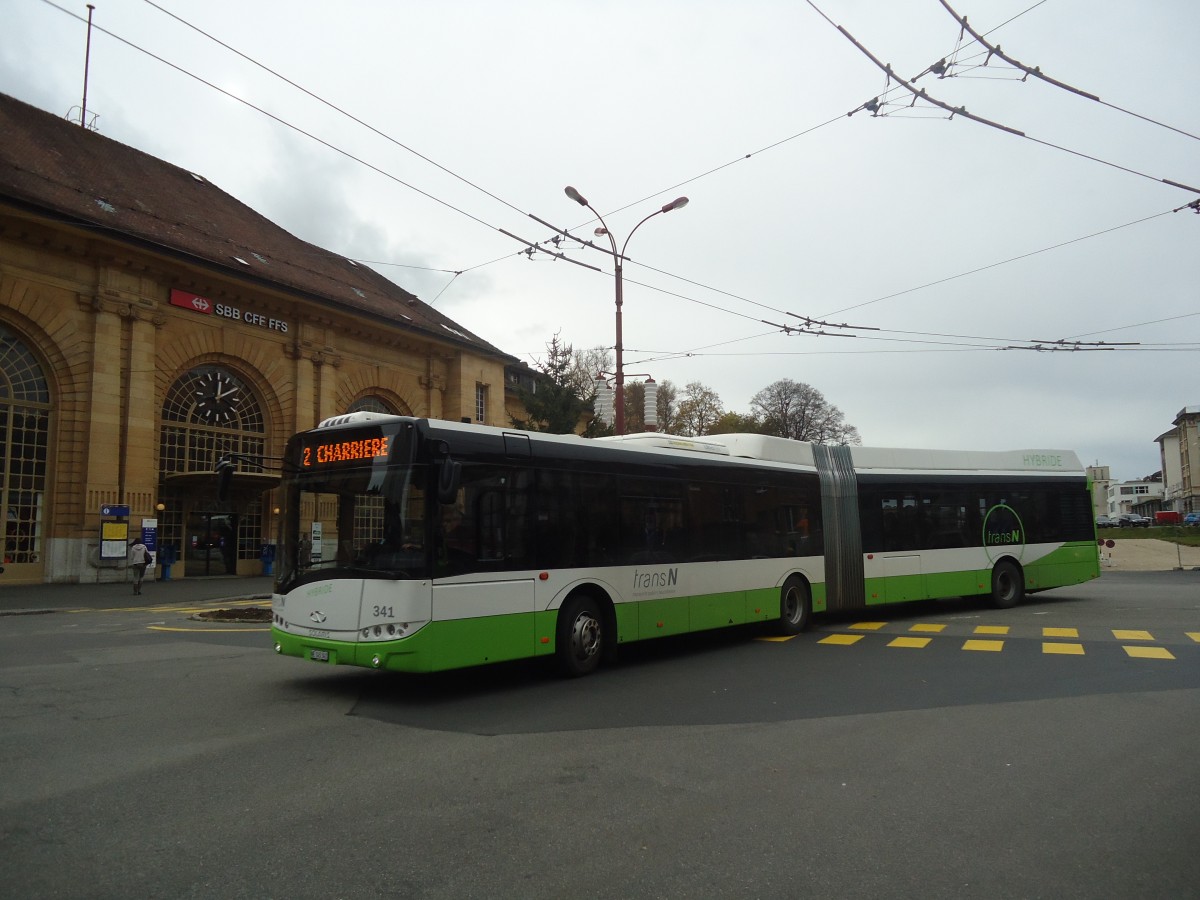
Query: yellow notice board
(114, 540)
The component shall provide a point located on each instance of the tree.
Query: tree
(586, 365)
(799, 411)
(553, 405)
(736, 423)
(668, 407)
(699, 410)
(635, 406)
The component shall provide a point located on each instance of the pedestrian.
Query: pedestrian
(139, 558)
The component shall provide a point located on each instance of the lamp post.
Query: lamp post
(618, 258)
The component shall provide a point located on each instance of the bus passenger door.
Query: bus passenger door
(483, 594)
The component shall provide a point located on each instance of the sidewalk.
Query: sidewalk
(32, 598)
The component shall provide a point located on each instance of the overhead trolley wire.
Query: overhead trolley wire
(1036, 72)
(529, 245)
(1007, 261)
(922, 94)
(278, 119)
(333, 106)
(296, 128)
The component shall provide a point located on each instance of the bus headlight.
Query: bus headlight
(386, 632)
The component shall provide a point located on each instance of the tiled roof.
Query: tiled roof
(52, 165)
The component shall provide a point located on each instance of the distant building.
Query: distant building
(1141, 497)
(1100, 478)
(1180, 452)
(150, 322)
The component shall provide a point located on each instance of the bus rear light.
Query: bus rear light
(376, 661)
(278, 647)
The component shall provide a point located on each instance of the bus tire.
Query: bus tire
(1008, 584)
(579, 644)
(795, 606)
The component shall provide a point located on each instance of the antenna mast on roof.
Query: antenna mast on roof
(87, 57)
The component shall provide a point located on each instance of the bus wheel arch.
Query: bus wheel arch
(1008, 583)
(795, 605)
(585, 632)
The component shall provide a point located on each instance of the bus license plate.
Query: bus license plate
(319, 655)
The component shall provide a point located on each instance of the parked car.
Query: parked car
(1104, 522)
(1132, 520)
(1192, 519)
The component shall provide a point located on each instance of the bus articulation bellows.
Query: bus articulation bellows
(420, 545)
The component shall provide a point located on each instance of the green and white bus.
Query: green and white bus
(419, 545)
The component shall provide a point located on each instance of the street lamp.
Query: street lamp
(618, 258)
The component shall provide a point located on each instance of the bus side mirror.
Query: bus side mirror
(449, 476)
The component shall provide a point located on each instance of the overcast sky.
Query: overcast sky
(480, 113)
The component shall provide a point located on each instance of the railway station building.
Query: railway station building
(150, 324)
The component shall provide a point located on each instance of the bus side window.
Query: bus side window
(489, 525)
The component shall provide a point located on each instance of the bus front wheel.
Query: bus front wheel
(580, 640)
(1008, 585)
(795, 606)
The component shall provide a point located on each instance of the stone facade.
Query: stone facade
(129, 363)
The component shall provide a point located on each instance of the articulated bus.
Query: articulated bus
(420, 545)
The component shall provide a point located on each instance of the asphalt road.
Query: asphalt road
(917, 751)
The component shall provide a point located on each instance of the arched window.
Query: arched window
(24, 443)
(207, 413)
(373, 404)
(210, 412)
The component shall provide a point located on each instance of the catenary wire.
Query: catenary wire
(922, 94)
(333, 106)
(1036, 72)
(429, 196)
(281, 121)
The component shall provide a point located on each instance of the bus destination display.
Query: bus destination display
(326, 452)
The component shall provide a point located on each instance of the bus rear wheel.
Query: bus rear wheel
(579, 643)
(795, 606)
(1008, 585)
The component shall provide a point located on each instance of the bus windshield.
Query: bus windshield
(353, 517)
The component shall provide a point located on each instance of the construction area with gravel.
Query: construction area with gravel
(1148, 555)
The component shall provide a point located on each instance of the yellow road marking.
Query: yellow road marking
(1149, 652)
(843, 639)
(990, 646)
(1060, 632)
(935, 629)
(190, 608)
(1068, 649)
(778, 639)
(1194, 635)
(868, 626)
(991, 629)
(1124, 634)
(909, 642)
